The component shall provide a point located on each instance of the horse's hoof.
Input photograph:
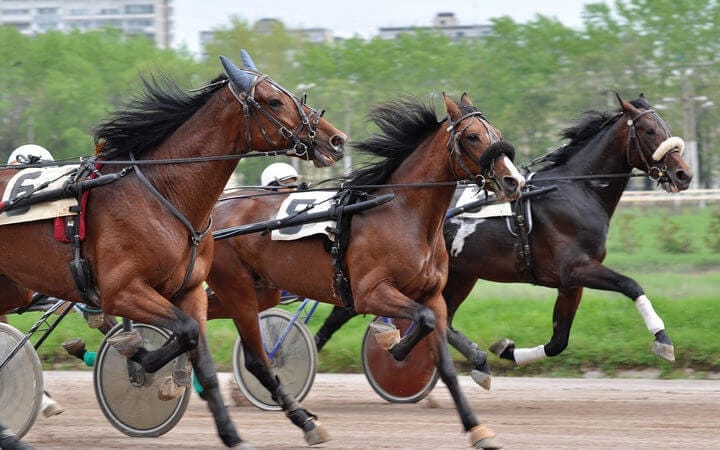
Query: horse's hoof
(482, 436)
(665, 351)
(488, 442)
(317, 435)
(169, 389)
(386, 334)
(243, 446)
(126, 342)
(501, 346)
(481, 378)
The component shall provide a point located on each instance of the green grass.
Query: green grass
(673, 254)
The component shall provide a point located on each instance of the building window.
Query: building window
(139, 9)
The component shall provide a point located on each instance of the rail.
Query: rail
(695, 195)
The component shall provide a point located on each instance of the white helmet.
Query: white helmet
(277, 174)
(25, 152)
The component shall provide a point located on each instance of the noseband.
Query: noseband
(486, 160)
(655, 171)
(249, 104)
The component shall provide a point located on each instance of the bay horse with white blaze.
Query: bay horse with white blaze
(565, 239)
(145, 253)
(395, 258)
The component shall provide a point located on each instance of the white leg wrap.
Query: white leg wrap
(653, 322)
(528, 355)
(45, 402)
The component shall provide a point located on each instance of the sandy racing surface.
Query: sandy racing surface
(527, 413)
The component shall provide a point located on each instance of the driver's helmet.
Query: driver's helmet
(277, 174)
(29, 153)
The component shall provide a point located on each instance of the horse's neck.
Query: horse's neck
(603, 155)
(193, 188)
(429, 163)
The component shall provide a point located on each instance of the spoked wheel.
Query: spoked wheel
(294, 359)
(21, 382)
(406, 381)
(128, 396)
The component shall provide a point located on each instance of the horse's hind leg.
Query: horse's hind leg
(313, 430)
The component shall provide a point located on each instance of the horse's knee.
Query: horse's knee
(425, 319)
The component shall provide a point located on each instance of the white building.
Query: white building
(150, 18)
(446, 23)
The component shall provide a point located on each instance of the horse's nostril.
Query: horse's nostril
(681, 175)
(510, 183)
(337, 141)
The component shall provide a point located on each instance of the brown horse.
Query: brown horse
(566, 244)
(395, 259)
(145, 254)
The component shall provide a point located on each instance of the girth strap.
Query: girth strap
(195, 236)
(341, 281)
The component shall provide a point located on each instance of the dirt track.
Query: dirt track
(527, 413)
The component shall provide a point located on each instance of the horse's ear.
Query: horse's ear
(247, 60)
(624, 105)
(452, 108)
(239, 77)
(465, 99)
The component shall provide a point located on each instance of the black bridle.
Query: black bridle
(486, 160)
(251, 106)
(655, 171)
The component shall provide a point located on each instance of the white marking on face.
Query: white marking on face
(513, 170)
(465, 229)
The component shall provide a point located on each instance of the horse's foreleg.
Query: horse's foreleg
(259, 366)
(385, 300)
(338, 317)
(207, 377)
(456, 290)
(481, 436)
(475, 356)
(566, 306)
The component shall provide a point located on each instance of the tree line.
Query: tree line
(532, 79)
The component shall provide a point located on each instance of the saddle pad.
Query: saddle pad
(316, 201)
(469, 195)
(27, 180)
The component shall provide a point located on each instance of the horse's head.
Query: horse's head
(652, 148)
(479, 151)
(281, 117)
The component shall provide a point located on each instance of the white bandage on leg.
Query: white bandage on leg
(528, 355)
(653, 322)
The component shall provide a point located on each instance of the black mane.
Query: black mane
(590, 124)
(404, 124)
(153, 115)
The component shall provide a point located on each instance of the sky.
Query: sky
(360, 17)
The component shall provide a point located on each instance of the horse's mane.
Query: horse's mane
(404, 124)
(153, 115)
(589, 125)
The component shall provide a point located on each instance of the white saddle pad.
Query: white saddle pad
(469, 194)
(27, 180)
(308, 202)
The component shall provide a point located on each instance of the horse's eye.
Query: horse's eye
(473, 137)
(650, 132)
(275, 103)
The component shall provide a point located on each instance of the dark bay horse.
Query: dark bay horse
(396, 259)
(566, 246)
(145, 248)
